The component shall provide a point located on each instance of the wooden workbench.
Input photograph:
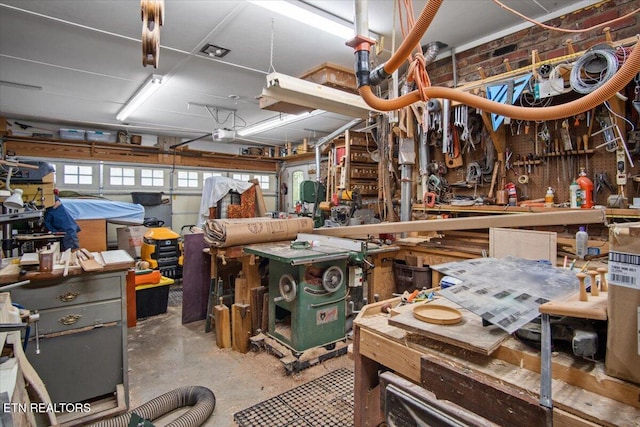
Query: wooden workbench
(582, 394)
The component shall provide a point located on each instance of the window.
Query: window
(152, 177)
(122, 176)
(187, 179)
(263, 180)
(296, 179)
(78, 175)
(242, 177)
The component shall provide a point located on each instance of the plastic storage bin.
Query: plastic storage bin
(410, 278)
(98, 136)
(153, 299)
(72, 134)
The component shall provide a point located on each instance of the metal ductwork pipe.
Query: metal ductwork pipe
(431, 50)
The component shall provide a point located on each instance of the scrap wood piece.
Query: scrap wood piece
(222, 321)
(240, 327)
(30, 259)
(468, 334)
(256, 297)
(10, 273)
(117, 257)
(595, 308)
(87, 260)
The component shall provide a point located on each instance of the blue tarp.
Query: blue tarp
(112, 211)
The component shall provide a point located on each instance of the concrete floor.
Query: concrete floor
(164, 355)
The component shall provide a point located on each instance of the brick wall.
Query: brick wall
(518, 47)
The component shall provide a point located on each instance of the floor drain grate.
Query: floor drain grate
(323, 402)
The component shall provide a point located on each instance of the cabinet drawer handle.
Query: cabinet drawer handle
(69, 319)
(69, 296)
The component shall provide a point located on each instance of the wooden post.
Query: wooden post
(241, 327)
(223, 326)
(594, 286)
(583, 290)
(241, 289)
(257, 295)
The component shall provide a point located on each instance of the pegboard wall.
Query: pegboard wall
(539, 159)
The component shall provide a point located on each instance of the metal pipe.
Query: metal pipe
(454, 66)
(446, 111)
(405, 192)
(361, 17)
(423, 160)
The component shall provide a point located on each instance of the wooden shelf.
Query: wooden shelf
(487, 209)
(89, 150)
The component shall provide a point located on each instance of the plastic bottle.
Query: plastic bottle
(548, 198)
(587, 189)
(574, 189)
(582, 242)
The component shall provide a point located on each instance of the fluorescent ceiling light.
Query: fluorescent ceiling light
(304, 93)
(140, 97)
(276, 122)
(307, 17)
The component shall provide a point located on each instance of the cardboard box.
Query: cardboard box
(623, 331)
(130, 239)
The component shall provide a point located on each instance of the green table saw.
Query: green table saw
(308, 288)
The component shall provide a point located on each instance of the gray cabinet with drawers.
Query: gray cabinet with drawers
(82, 334)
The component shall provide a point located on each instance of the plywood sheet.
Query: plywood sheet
(93, 235)
(527, 244)
(116, 257)
(468, 334)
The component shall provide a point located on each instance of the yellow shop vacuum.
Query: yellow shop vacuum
(162, 249)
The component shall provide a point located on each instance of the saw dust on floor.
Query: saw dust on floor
(164, 354)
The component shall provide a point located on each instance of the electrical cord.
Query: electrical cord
(549, 27)
(629, 122)
(591, 83)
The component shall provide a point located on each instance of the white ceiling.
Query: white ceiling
(86, 56)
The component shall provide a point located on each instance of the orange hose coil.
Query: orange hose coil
(605, 92)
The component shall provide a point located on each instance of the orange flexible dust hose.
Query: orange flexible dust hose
(414, 36)
(605, 92)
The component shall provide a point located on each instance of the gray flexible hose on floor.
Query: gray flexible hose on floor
(201, 399)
